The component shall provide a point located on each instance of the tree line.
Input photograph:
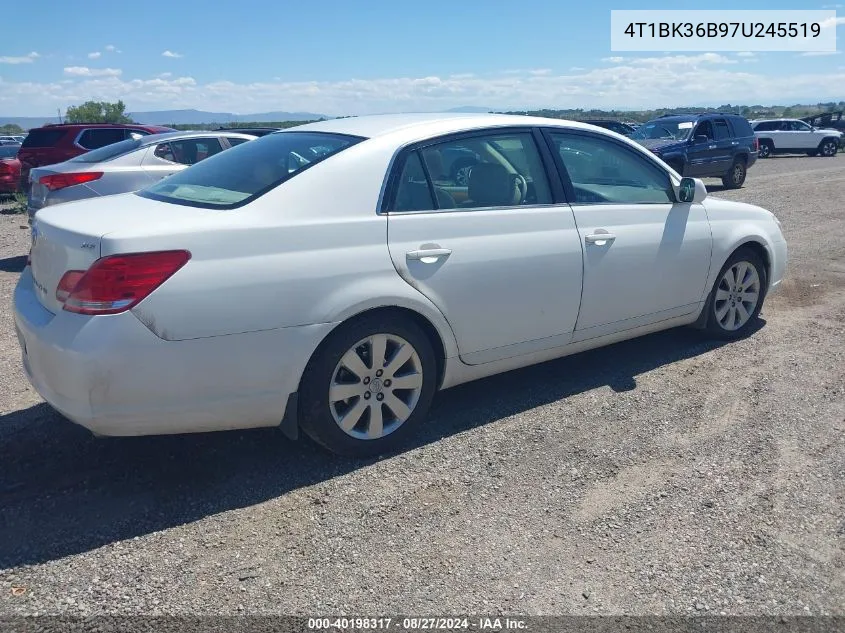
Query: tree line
(107, 112)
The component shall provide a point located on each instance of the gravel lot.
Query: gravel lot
(664, 475)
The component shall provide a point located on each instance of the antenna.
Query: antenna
(59, 111)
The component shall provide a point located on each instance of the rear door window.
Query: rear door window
(188, 151)
(721, 129)
(95, 138)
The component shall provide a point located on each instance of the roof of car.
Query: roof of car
(423, 125)
(152, 139)
(100, 125)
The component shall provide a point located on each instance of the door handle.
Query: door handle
(432, 254)
(599, 239)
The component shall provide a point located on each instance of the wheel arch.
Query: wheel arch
(758, 245)
(441, 345)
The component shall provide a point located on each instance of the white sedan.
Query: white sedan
(333, 276)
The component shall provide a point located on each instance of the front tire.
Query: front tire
(766, 149)
(737, 296)
(828, 148)
(368, 385)
(735, 177)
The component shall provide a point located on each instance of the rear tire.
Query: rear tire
(737, 296)
(735, 177)
(766, 149)
(377, 416)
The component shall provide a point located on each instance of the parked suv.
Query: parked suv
(613, 125)
(56, 143)
(793, 136)
(717, 145)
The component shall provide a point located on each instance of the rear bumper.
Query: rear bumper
(752, 158)
(113, 376)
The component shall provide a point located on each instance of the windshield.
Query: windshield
(243, 173)
(664, 129)
(108, 152)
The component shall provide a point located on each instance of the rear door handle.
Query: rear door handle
(428, 255)
(599, 239)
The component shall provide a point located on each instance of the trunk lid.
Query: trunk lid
(70, 236)
(56, 250)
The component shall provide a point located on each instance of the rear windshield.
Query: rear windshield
(43, 137)
(8, 151)
(108, 152)
(237, 176)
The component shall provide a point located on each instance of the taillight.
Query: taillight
(6, 167)
(756, 144)
(118, 282)
(60, 181)
(67, 283)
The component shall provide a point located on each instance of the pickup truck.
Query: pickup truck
(720, 145)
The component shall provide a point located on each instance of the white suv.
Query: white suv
(781, 136)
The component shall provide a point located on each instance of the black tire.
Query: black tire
(315, 416)
(735, 177)
(713, 326)
(766, 149)
(813, 152)
(829, 147)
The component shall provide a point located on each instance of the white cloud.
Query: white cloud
(825, 24)
(84, 71)
(165, 75)
(171, 54)
(24, 59)
(746, 54)
(111, 48)
(701, 59)
(639, 82)
(94, 55)
(820, 53)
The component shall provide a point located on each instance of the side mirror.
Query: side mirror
(700, 138)
(691, 190)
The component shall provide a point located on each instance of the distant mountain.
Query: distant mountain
(180, 117)
(27, 122)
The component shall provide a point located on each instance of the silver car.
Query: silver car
(124, 166)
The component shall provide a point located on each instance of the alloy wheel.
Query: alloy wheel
(829, 148)
(375, 386)
(737, 296)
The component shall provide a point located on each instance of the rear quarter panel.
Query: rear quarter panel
(313, 250)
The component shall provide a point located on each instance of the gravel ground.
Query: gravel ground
(664, 475)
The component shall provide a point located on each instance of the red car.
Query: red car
(10, 169)
(56, 143)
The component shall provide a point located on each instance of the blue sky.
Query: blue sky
(347, 57)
